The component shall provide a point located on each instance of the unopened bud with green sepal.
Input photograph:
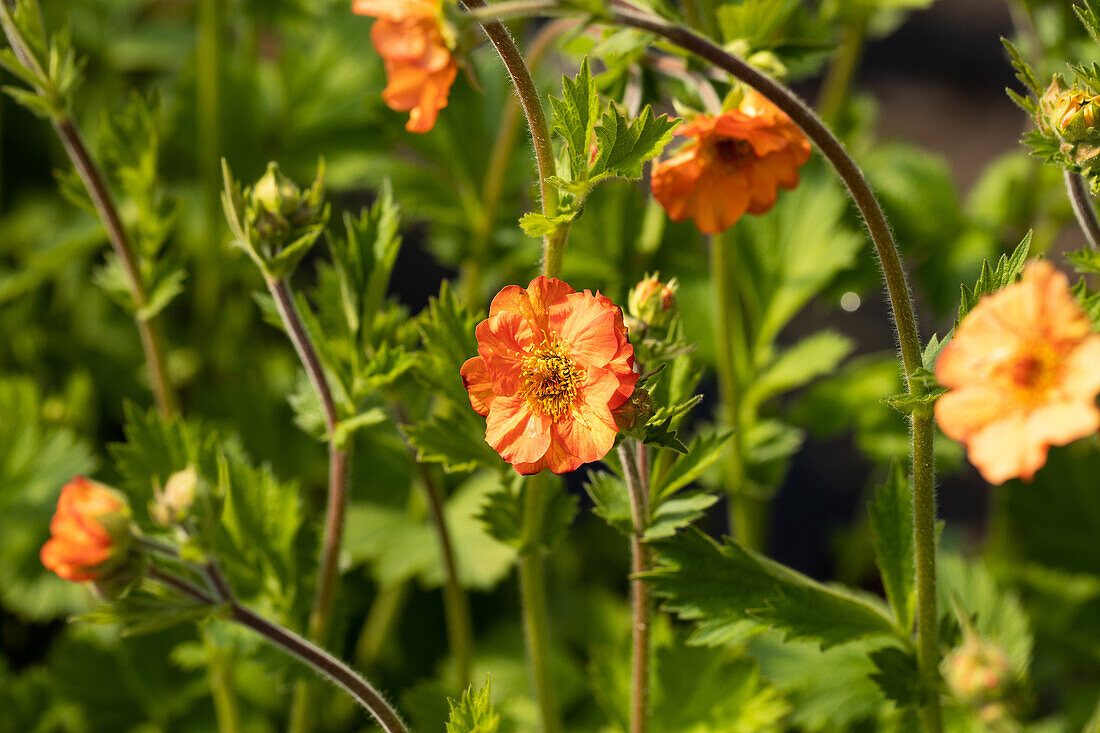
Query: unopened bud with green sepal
(653, 302)
(274, 220)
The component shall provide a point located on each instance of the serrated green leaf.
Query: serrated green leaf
(611, 499)
(574, 118)
(40, 106)
(678, 512)
(142, 613)
(163, 293)
(897, 676)
(504, 511)
(1009, 269)
(701, 580)
(932, 350)
(1023, 70)
(892, 536)
(663, 435)
(1085, 261)
(909, 404)
(705, 450)
(623, 146)
(538, 226)
(283, 264)
(455, 441)
(473, 713)
(447, 332)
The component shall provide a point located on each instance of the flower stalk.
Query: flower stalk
(325, 591)
(553, 244)
(107, 210)
(1083, 208)
(321, 661)
(632, 454)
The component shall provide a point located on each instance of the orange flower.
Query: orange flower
(408, 35)
(90, 532)
(735, 164)
(552, 364)
(1023, 374)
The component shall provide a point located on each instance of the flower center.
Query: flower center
(1032, 373)
(549, 380)
(732, 152)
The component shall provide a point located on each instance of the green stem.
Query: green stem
(1083, 208)
(378, 628)
(924, 535)
(208, 110)
(554, 243)
(747, 514)
(107, 210)
(632, 454)
(536, 623)
(838, 80)
(226, 711)
(332, 537)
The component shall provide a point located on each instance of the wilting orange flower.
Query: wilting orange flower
(552, 364)
(736, 163)
(1024, 371)
(90, 531)
(408, 35)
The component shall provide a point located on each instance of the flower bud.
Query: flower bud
(91, 534)
(653, 302)
(275, 192)
(978, 672)
(1069, 115)
(170, 506)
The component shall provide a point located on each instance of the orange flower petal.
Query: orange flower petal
(515, 432)
(475, 378)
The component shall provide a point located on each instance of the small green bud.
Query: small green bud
(172, 505)
(275, 192)
(631, 416)
(978, 672)
(653, 302)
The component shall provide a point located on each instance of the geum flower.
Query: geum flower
(736, 163)
(90, 532)
(1023, 372)
(409, 36)
(552, 365)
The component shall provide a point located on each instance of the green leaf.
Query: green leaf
(755, 21)
(1023, 73)
(142, 613)
(810, 358)
(897, 676)
(457, 442)
(611, 499)
(504, 511)
(447, 331)
(663, 435)
(892, 537)
(933, 349)
(163, 293)
(538, 226)
(1009, 269)
(473, 713)
(574, 118)
(1086, 261)
(727, 584)
(909, 404)
(623, 146)
(678, 512)
(705, 450)
(41, 106)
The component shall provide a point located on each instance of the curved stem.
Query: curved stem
(1083, 208)
(536, 623)
(638, 488)
(321, 661)
(107, 210)
(554, 243)
(325, 591)
(904, 317)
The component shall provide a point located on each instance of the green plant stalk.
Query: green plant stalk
(456, 605)
(838, 80)
(332, 537)
(632, 454)
(107, 210)
(904, 318)
(747, 514)
(377, 629)
(536, 622)
(220, 674)
(499, 159)
(313, 656)
(553, 244)
(1083, 208)
(208, 106)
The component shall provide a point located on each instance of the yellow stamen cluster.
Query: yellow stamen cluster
(549, 380)
(1032, 374)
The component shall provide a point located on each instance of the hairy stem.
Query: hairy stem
(631, 454)
(107, 210)
(897, 288)
(321, 661)
(1083, 208)
(536, 623)
(325, 591)
(553, 244)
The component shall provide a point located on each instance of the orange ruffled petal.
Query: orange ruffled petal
(1022, 376)
(80, 544)
(736, 164)
(552, 364)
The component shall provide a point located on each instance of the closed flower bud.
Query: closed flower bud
(1069, 115)
(653, 302)
(978, 672)
(91, 533)
(632, 416)
(171, 505)
(275, 192)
